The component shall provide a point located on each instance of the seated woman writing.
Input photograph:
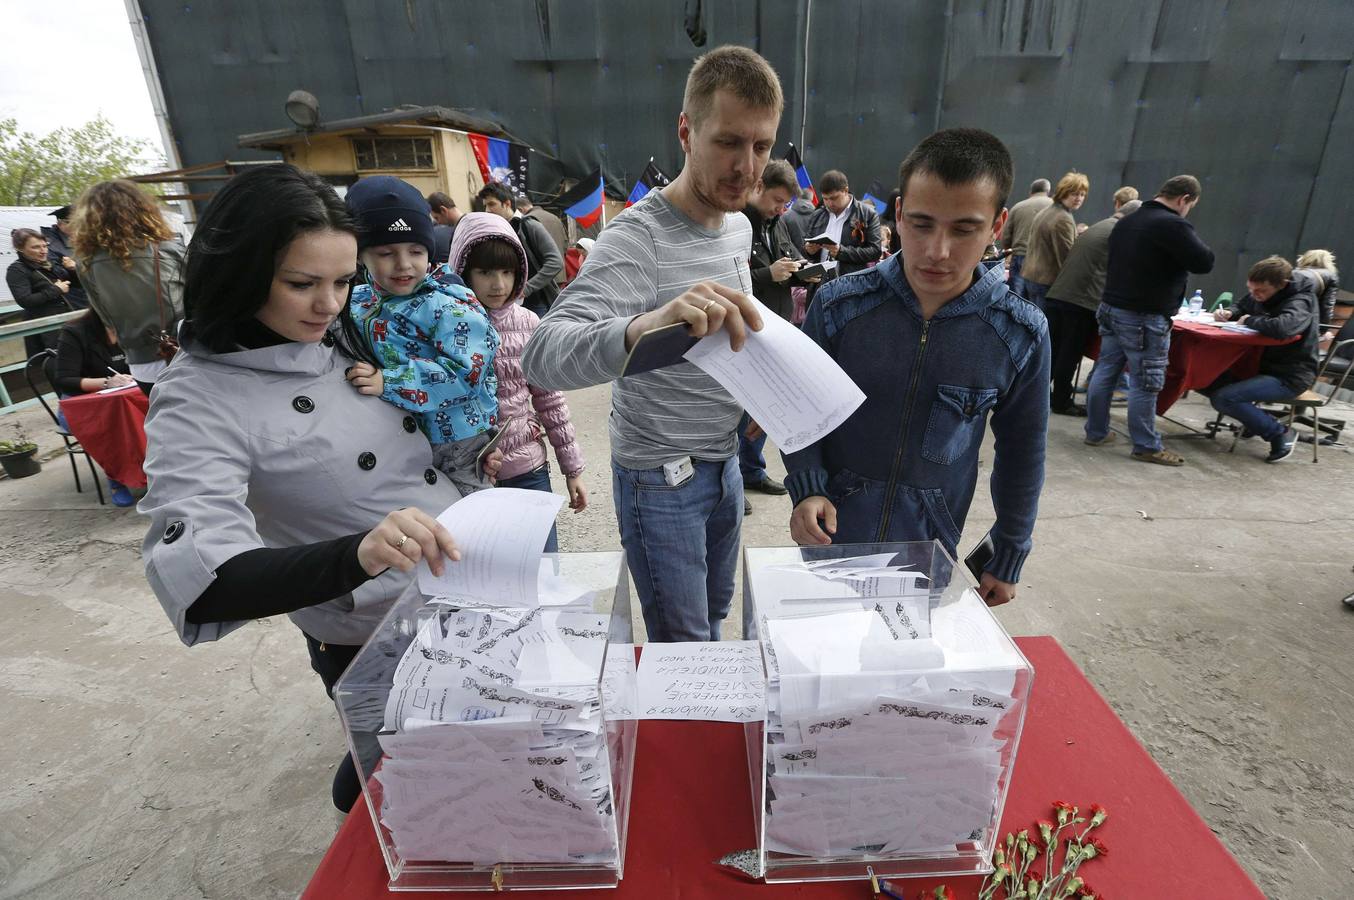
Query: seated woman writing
(88, 360)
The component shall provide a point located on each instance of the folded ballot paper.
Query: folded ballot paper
(884, 710)
(493, 743)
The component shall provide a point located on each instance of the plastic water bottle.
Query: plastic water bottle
(1196, 303)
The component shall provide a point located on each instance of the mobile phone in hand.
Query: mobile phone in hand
(980, 556)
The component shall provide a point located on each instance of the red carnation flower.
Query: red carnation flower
(1100, 848)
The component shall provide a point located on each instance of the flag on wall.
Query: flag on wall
(801, 173)
(583, 201)
(651, 178)
(872, 195)
(501, 161)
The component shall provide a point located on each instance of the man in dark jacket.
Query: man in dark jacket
(1071, 303)
(445, 216)
(59, 252)
(1281, 304)
(938, 344)
(773, 262)
(852, 223)
(1151, 253)
(798, 216)
(544, 261)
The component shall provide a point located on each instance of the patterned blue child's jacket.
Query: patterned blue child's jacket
(436, 348)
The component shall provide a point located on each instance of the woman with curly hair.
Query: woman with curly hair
(131, 266)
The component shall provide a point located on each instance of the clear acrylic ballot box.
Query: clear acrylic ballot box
(895, 702)
(487, 756)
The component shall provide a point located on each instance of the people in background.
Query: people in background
(1072, 301)
(577, 255)
(61, 252)
(1320, 265)
(89, 360)
(544, 258)
(1016, 235)
(800, 213)
(1150, 254)
(549, 220)
(131, 265)
(445, 216)
(1280, 303)
(37, 284)
(853, 225)
(1051, 235)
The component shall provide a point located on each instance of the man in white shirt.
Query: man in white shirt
(853, 224)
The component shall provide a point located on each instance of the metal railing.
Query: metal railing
(18, 331)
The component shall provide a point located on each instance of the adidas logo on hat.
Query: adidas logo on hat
(399, 225)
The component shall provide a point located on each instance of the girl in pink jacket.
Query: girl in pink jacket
(486, 253)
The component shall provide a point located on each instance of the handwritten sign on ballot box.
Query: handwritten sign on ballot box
(712, 680)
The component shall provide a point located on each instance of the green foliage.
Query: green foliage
(55, 168)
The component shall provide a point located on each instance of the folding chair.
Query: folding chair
(46, 361)
(1335, 369)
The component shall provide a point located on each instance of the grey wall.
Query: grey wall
(1252, 96)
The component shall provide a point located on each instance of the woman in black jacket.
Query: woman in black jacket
(88, 359)
(38, 285)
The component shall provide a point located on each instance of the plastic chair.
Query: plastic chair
(1224, 301)
(46, 360)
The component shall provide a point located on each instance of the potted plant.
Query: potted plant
(18, 455)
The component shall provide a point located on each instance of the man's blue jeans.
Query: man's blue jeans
(1140, 342)
(1238, 400)
(1015, 283)
(681, 543)
(1034, 292)
(537, 479)
(751, 462)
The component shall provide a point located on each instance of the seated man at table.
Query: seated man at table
(1281, 304)
(89, 360)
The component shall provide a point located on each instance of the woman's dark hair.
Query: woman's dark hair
(21, 236)
(240, 240)
(493, 254)
(91, 325)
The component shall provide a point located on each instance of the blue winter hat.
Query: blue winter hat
(389, 211)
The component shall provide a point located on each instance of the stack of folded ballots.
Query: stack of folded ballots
(494, 746)
(877, 742)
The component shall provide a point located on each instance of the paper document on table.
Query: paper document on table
(501, 534)
(114, 390)
(708, 680)
(786, 382)
(1237, 329)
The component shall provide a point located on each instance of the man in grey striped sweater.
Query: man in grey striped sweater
(679, 255)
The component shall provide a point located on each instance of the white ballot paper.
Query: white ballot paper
(785, 381)
(716, 680)
(501, 534)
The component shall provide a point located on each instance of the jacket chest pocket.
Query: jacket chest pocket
(956, 423)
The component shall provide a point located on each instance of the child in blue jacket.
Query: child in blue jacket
(432, 338)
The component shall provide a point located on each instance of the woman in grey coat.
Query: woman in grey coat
(274, 487)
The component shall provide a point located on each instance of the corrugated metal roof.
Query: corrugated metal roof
(423, 115)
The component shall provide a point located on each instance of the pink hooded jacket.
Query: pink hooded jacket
(532, 411)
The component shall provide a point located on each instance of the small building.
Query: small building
(427, 146)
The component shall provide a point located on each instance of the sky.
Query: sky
(66, 62)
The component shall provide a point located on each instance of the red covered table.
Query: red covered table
(1199, 354)
(692, 804)
(112, 429)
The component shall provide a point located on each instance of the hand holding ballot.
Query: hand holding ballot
(705, 309)
(403, 538)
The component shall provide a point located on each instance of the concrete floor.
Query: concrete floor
(1203, 602)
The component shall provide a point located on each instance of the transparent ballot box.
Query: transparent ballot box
(894, 707)
(481, 734)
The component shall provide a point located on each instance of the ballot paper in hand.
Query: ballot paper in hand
(501, 534)
(712, 680)
(785, 381)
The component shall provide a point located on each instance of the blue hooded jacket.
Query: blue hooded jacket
(904, 466)
(436, 348)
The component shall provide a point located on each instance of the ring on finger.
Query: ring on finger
(404, 539)
(708, 304)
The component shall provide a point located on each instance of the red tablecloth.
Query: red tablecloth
(112, 429)
(1199, 354)
(692, 805)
